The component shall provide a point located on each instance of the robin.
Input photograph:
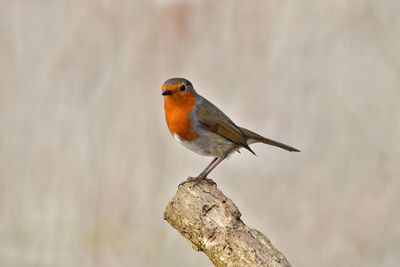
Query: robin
(203, 128)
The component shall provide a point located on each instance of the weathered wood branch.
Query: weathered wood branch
(211, 223)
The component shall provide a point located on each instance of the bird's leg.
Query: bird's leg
(208, 166)
(211, 167)
(200, 176)
(204, 173)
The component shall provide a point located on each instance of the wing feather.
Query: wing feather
(213, 119)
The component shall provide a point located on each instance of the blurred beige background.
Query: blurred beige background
(87, 164)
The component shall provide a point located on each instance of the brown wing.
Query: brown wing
(214, 120)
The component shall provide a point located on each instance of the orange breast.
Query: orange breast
(177, 115)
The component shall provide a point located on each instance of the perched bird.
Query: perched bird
(203, 128)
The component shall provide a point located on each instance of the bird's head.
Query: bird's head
(178, 90)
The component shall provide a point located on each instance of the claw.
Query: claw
(191, 179)
(196, 181)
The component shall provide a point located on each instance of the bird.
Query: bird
(203, 128)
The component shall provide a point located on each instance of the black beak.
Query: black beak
(167, 92)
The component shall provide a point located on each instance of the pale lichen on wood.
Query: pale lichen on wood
(211, 223)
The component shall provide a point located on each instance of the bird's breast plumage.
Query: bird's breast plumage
(178, 115)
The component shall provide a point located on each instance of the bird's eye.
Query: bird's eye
(183, 87)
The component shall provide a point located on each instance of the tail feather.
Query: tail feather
(258, 138)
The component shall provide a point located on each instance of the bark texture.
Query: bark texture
(211, 223)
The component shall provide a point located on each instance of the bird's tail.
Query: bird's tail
(256, 138)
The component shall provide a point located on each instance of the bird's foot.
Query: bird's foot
(197, 180)
(190, 179)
